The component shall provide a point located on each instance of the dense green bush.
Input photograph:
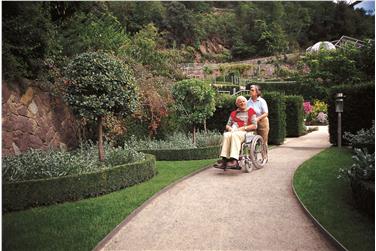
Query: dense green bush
(277, 117)
(358, 109)
(294, 116)
(25, 194)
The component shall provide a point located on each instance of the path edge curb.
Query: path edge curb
(109, 236)
(322, 229)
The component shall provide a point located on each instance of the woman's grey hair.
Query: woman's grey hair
(257, 88)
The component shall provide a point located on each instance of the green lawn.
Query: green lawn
(330, 201)
(81, 225)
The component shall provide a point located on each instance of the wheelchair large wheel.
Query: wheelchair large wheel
(258, 152)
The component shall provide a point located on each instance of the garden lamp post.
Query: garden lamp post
(339, 110)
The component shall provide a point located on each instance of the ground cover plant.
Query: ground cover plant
(177, 140)
(330, 201)
(81, 225)
(39, 164)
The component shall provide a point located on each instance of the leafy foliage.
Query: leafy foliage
(364, 165)
(100, 85)
(85, 32)
(347, 65)
(28, 38)
(194, 100)
(362, 137)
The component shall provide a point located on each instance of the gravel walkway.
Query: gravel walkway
(232, 210)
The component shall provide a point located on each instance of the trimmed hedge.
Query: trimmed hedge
(294, 116)
(358, 109)
(309, 91)
(277, 117)
(26, 194)
(210, 152)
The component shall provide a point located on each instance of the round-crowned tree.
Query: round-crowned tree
(98, 85)
(194, 102)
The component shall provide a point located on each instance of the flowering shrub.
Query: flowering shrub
(316, 114)
(307, 107)
(322, 118)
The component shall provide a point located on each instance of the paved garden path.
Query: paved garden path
(232, 210)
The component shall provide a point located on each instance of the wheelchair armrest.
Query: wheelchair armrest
(249, 136)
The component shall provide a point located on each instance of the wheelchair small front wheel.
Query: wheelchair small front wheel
(248, 167)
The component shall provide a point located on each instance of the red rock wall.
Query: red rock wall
(34, 119)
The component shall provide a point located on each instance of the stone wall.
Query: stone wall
(34, 119)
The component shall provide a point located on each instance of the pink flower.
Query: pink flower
(307, 107)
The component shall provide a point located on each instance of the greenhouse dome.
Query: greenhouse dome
(321, 45)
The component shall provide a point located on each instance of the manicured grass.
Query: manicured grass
(330, 200)
(81, 225)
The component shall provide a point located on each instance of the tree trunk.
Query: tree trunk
(194, 135)
(205, 129)
(100, 139)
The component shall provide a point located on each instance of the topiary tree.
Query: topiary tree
(194, 102)
(100, 85)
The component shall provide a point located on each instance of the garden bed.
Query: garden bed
(209, 152)
(24, 194)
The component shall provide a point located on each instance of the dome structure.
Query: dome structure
(321, 45)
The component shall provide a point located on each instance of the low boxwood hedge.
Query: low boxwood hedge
(210, 152)
(25, 194)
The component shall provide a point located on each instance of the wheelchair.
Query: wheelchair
(253, 153)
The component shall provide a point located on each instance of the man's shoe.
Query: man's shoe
(233, 164)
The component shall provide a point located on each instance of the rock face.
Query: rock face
(34, 119)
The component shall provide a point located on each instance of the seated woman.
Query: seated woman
(239, 123)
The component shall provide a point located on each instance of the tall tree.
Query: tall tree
(28, 38)
(195, 102)
(100, 85)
